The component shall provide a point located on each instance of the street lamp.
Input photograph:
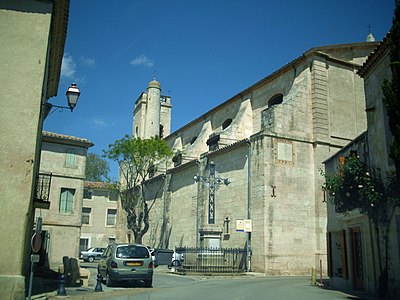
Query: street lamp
(72, 93)
(214, 180)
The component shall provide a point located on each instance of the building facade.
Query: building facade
(32, 41)
(64, 157)
(99, 215)
(355, 262)
(269, 141)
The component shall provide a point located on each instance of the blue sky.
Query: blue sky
(202, 53)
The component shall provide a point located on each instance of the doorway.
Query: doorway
(356, 254)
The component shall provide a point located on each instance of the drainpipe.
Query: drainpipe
(197, 205)
(248, 242)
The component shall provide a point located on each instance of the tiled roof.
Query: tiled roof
(99, 185)
(66, 139)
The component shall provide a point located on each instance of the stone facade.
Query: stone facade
(99, 215)
(269, 140)
(32, 45)
(357, 267)
(65, 158)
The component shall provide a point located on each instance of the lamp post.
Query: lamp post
(72, 93)
(214, 180)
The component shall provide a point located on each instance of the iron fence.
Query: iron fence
(211, 260)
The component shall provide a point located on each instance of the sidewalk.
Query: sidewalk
(46, 287)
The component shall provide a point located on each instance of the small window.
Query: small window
(66, 200)
(161, 131)
(226, 123)
(87, 193)
(111, 217)
(277, 99)
(212, 142)
(70, 158)
(83, 244)
(86, 215)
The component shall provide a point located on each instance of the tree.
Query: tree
(97, 168)
(391, 89)
(138, 160)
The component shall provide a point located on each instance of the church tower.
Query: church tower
(152, 113)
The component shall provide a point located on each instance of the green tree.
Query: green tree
(138, 160)
(391, 89)
(97, 168)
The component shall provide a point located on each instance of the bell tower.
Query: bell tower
(152, 113)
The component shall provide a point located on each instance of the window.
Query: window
(66, 200)
(83, 244)
(226, 123)
(111, 240)
(70, 158)
(161, 131)
(277, 99)
(212, 142)
(86, 215)
(111, 217)
(87, 193)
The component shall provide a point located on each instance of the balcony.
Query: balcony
(42, 191)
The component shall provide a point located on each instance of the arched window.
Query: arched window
(226, 123)
(277, 99)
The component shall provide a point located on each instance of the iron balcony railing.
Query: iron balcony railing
(42, 190)
(211, 260)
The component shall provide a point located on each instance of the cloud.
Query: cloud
(99, 123)
(142, 60)
(68, 66)
(90, 62)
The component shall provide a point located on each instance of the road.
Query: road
(171, 286)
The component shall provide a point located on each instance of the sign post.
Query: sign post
(36, 244)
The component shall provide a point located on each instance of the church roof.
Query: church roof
(321, 51)
(374, 56)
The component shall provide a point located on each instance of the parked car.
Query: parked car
(91, 254)
(177, 259)
(126, 262)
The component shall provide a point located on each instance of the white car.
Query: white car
(91, 254)
(177, 259)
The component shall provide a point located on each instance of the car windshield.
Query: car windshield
(132, 251)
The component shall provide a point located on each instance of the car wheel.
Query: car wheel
(91, 259)
(148, 282)
(176, 263)
(109, 282)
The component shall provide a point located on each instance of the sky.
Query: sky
(202, 53)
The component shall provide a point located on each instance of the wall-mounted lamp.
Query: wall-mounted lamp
(72, 93)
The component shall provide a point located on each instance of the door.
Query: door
(357, 263)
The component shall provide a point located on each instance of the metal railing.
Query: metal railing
(42, 189)
(211, 260)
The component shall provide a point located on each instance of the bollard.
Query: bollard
(61, 289)
(98, 287)
(313, 276)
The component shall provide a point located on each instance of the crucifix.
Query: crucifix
(214, 180)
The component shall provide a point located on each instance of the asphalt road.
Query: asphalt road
(171, 286)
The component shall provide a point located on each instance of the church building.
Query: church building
(246, 173)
